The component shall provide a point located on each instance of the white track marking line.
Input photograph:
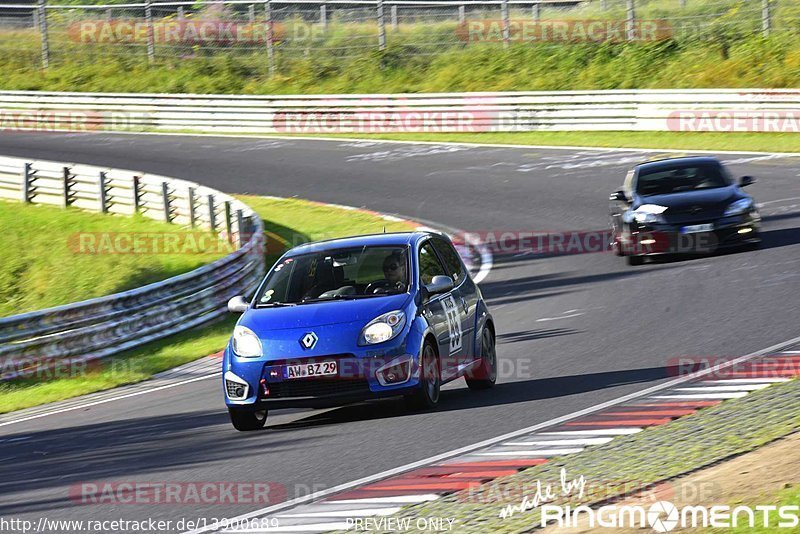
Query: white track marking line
(705, 396)
(404, 499)
(747, 381)
(600, 432)
(742, 387)
(539, 452)
(355, 512)
(110, 399)
(790, 352)
(586, 441)
(570, 316)
(439, 458)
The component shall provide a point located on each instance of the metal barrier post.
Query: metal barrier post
(536, 12)
(630, 22)
(151, 47)
(137, 195)
(462, 14)
(251, 14)
(212, 215)
(181, 16)
(67, 187)
(270, 36)
(192, 216)
(167, 202)
(103, 193)
(395, 24)
(42, 10)
(766, 24)
(27, 177)
(381, 26)
(506, 23)
(228, 222)
(323, 16)
(240, 238)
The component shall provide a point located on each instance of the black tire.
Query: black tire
(635, 260)
(486, 375)
(427, 395)
(245, 420)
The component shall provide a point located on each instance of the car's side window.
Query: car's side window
(451, 260)
(429, 265)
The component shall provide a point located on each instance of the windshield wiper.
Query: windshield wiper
(276, 304)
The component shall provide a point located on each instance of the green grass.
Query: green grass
(766, 142)
(289, 221)
(44, 269)
(787, 497)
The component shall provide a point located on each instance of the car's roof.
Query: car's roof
(669, 163)
(388, 239)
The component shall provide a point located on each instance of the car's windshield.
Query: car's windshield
(679, 179)
(346, 273)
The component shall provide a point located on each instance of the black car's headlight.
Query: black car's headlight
(740, 206)
(646, 214)
(383, 328)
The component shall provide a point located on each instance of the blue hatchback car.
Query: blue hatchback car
(350, 319)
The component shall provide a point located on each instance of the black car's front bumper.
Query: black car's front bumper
(665, 238)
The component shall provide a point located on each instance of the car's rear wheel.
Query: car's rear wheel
(485, 376)
(427, 395)
(247, 419)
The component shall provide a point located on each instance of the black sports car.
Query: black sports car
(681, 205)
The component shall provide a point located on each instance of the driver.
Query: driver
(394, 274)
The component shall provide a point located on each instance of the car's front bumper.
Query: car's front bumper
(357, 377)
(649, 240)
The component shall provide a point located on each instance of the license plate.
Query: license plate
(695, 228)
(306, 370)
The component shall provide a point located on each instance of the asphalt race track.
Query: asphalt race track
(574, 329)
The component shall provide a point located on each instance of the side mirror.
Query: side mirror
(618, 196)
(237, 304)
(440, 284)
(746, 180)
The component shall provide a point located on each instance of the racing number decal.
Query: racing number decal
(453, 322)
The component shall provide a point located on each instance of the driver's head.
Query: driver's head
(394, 267)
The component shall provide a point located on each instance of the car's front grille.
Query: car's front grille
(316, 387)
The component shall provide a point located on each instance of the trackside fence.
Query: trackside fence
(108, 325)
(626, 110)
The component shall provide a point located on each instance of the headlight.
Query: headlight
(647, 214)
(245, 343)
(383, 328)
(739, 207)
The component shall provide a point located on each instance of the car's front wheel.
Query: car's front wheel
(427, 395)
(247, 419)
(485, 375)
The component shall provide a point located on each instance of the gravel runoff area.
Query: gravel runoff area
(627, 464)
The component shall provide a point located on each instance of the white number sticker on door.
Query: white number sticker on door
(453, 322)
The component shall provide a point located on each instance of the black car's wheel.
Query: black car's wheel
(635, 260)
(485, 375)
(244, 419)
(427, 395)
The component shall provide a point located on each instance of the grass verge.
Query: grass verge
(628, 463)
(47, 267)
(289, 221)
(755, 142)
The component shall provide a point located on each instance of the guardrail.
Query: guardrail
(632, 110)
(107, 325)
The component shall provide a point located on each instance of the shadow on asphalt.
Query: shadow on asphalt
(501, 394)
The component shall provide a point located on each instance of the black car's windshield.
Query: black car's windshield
(336, 274)
(679, 179)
